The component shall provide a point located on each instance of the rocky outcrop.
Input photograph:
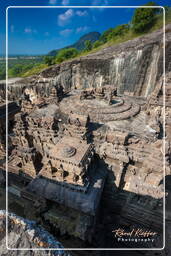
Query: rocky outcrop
(125, 131)
(23, 233)
(134, 67)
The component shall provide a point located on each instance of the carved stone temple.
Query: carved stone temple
(86, 144)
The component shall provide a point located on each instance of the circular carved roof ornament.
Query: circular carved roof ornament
(68, 151)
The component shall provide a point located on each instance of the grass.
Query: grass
(35, 70)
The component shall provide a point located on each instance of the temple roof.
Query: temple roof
(81, 149)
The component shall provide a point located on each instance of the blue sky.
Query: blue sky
(37, 31)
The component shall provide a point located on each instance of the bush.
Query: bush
(118, 31)
(66, 54)
(19, 69)
(144, 18)
(2, 71)
(88, 45)
(105, 35)
(49, 60)
(97, 44)
(34, 70)
(114, 32)
(16, 70)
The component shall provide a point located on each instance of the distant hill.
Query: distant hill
(79, 45)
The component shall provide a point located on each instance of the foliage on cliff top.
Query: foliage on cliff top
(144, 20)
(35, 70)
(66, 54)
(18, 65)
(127, 32)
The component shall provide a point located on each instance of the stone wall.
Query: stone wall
(134, 66)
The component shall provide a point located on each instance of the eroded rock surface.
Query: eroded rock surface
(87, 149)
(23, 233)
(134, 67)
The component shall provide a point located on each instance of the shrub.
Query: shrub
(118, 31)
(66, 54)
(104, 36)
(97, 44)
(49, 60)
(34, 70)
(88, 45)
(16, 70)
(144, 18)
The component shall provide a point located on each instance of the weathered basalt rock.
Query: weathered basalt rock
(68, 136)
(23, 233)
(134, 66)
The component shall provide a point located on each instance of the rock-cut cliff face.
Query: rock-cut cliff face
(134, 66)
(23, 233)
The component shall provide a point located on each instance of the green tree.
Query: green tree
(167, 9)
(88, 45)
(97, 44)
(66, 54)
(144, 18)
(16, 70)
(118, 31)
(2, 71)
(105, 35)
(49, 60)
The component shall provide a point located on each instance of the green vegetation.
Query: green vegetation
(18, 66)
(144, 20)
(98, 43)
(2, 70)
(80, 44)
(125, 32)
(49, 60)
(35, 70)
(112, 33)
(88, 46)
(159, 19)
(66, 54)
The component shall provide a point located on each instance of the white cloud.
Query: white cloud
(82, 29)
(28, 30)
(65, 32)
(12, 28)
(82, 13)
(64, 18)
(52, 1)
(65, 2)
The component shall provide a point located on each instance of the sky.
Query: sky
(39, 30)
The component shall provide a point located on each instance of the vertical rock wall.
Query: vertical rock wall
(134, 67)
